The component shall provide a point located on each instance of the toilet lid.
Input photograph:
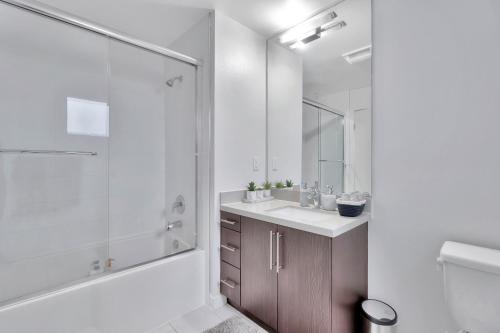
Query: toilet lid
(379, 312)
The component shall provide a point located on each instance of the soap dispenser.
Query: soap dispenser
(329, 199)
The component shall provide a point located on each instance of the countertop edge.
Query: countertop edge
(356, 222)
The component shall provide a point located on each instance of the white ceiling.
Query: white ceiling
(267, 17)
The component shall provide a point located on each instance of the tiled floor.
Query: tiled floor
(201, 319)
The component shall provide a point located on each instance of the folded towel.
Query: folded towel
(350, 202)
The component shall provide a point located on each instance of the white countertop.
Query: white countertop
(332, 225)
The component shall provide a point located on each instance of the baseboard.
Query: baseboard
(216, 301)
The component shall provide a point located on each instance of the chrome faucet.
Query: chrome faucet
(315, 194)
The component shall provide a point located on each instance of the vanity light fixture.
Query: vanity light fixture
(310, 30)
(297, 45)
(327, 28)
(358, 55)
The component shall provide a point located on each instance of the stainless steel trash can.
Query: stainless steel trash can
(378, 317)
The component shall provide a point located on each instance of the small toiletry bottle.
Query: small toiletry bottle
(304, 195)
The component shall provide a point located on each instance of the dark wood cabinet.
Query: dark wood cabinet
(349, 278)
(230, 283)
(230, 254)
(304, 282)
(259, 293)
(291, 281)
(230, 247)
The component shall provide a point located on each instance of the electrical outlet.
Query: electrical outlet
(256, 164)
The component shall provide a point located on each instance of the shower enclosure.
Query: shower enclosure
(98, 151)
(322, 146)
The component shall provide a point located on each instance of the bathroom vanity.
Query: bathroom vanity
(294, 269)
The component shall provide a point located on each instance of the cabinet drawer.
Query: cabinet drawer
(230, 283)
(230, 247)
(230, 221)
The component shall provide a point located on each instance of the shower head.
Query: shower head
(171, 82)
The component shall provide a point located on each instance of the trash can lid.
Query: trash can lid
(379, 312)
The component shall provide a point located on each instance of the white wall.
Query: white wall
(284, 117)
(239, 116)
(435, 147)
(360, 136)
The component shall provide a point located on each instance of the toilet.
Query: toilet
(472, 286)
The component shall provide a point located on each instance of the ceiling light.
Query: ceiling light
(310, 36)
(326, 28)
(358, 55)
(333, 25)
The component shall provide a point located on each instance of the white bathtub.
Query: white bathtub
(132, 301)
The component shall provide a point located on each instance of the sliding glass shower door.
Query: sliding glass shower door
(152, 161)
(322, 148)
(97, 154)
(331, 159)
(54, 153)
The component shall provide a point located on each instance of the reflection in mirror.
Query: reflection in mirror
(319, 100)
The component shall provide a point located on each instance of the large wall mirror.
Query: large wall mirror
(319, 100)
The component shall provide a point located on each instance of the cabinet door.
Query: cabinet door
(304, 282)
(259, 295)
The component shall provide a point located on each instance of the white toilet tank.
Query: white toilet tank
(472, 286)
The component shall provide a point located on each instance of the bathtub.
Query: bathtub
(134, 300)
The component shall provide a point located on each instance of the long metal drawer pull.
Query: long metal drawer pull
(228, 247)
(228, 283)
(48, 152)
(228, 222)
(271, 235)
(278, 263)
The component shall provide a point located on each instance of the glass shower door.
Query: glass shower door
(331, 157)
(53, 153)
(310, 144)
(322, 148)
(152, 163)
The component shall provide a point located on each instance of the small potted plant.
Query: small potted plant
(260, 193)
(289, 184)
(251, 194)
(267, 189)
(280, 185)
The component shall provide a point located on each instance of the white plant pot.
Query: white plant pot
(251, 195)
(267, 193)
(260, 194)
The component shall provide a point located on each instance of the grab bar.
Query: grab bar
(49, 152)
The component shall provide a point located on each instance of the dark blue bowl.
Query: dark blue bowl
(350, 210)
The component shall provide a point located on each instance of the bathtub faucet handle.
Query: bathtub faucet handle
(174, 224)
(179, 204)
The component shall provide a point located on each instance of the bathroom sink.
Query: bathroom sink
(300, 214)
